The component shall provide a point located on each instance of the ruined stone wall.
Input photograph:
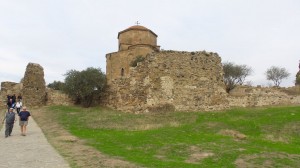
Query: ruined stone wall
(9, 88)
(56, 97)
(34, 91)
(246, 96)
(187, 81)
(34, 87)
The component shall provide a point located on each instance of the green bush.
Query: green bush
(56, 85)
(137, 60)
(84, 87)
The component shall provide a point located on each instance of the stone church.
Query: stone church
(143, 78)
(134, 41)
(161, 80)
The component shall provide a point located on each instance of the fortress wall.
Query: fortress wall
(34, 86)
(245, 96)
(186, 81)
(56, 97)
(9, 88)
(190, 81)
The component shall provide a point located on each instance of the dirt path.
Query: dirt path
(31, 151)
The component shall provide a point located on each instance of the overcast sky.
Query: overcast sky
(75, 34)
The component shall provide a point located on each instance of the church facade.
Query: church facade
(142, 78)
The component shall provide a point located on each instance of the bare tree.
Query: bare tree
(235, 74)
(276, 74)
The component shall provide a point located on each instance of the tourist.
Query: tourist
(9, 104)
(20, 97)
(14, 98)
(23, 120)
(10, 118)
(8, 97)
(19, 106)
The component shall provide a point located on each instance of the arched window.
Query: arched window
(122, 72)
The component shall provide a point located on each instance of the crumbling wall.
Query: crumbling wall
(187, 81)
(247, 96)
(34, 87)
(56, 97)
(9, 88)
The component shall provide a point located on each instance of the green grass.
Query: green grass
(179, 139)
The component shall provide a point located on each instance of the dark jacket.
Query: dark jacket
(10, 117)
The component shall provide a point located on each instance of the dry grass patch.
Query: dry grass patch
(276, 138)
(197, 155)
(283, 133)
(235, 134)
(268, 160)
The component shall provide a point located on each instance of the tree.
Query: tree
(297, 82)
(56, 85)
(235, 74)
(86, 86)
(276, 74)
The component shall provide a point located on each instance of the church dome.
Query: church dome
(136, 36)
(136, 27)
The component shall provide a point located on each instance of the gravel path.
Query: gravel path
(30, 151)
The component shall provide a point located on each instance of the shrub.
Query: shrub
(137, 60)
(85, 87)
(56, 85)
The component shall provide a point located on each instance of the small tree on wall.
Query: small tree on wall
(276, 74)
(235, 74)
(137, 60)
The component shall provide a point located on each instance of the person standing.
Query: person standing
(9, 97)
(19, 106)
(9, 104)
(14, 98)
(20, 97)
(10, 118)
(23, 120)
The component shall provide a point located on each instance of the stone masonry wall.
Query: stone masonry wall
(246, 96)
(56, 97)
(34, 91)
(34, 87)
(187, 81)
(117, 61)
(9, 88)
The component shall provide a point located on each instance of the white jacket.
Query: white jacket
(19, 105)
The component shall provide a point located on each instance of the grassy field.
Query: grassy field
(255, 137)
